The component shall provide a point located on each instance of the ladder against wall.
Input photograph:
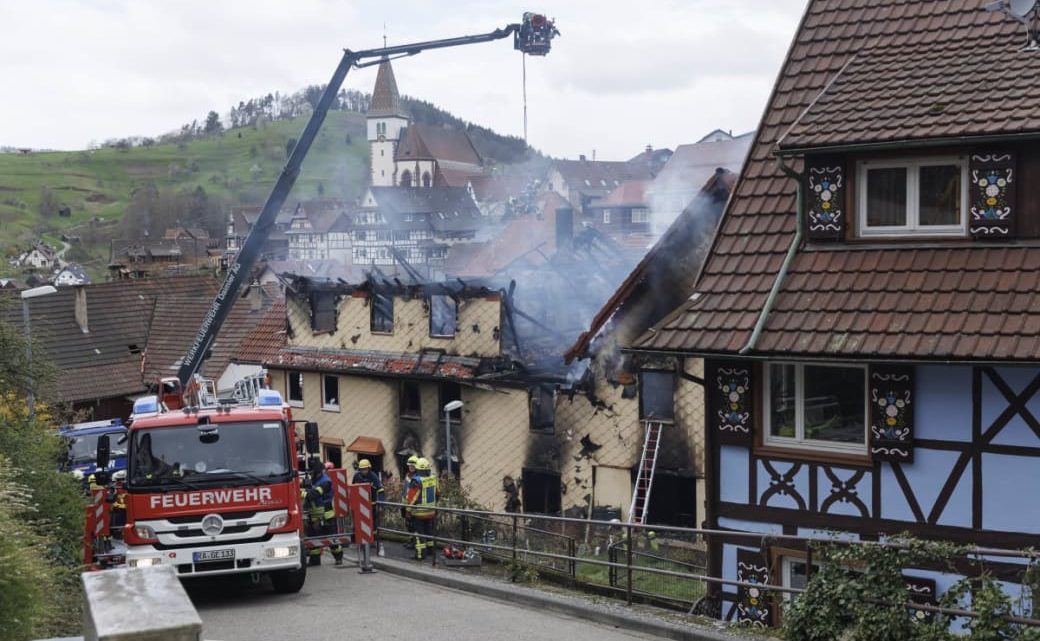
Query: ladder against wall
(645, 475)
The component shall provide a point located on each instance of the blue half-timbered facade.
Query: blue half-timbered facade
(869, 313)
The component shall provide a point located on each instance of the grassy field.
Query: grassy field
(238, 167)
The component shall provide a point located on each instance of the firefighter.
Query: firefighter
(321, 518)
(422, 496)
(365, 474)
(117, 494)
(408, 525)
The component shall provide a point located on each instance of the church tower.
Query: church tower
(386, 119)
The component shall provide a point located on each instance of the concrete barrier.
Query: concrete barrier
(145, 604)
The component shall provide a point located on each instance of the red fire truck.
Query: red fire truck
(213, 491)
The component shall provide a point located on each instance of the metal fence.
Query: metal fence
(661, 565)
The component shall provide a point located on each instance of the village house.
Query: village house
(40, 256)
(70, 274)
(112, 341)
(319, 229)
(583, 182)
(867, 314)
(241, 220)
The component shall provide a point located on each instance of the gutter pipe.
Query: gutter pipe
(791, 251)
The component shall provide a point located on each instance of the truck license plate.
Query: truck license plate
(213, 555)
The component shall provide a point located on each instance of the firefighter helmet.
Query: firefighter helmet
(422, 464)
(364, 464)
(413, 459)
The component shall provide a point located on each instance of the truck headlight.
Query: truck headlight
(144, 532)
(279, 520)
(145, 563)
(282, 552)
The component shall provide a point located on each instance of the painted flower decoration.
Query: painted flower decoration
(893, 410)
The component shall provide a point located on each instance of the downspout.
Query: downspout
(791, 251)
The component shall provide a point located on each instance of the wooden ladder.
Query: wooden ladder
(645, 475)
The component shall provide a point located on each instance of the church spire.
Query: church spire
(386, 101)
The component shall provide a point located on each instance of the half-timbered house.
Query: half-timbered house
(868, 313)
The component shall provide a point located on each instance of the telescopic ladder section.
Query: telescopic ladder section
(645, 475)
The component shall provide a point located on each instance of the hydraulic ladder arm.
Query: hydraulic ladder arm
(532, 36)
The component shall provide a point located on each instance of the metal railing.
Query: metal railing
(662, 565)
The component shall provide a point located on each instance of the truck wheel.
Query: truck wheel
(290, 581)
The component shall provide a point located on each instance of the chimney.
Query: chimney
(581, 157)
(649, 149)
(256, 298)
(564, 227)
(81, 308)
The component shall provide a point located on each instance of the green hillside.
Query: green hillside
(238, 166)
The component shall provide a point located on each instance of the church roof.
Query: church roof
(386, 101)
(421, 141)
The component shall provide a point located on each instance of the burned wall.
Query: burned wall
(477, 326)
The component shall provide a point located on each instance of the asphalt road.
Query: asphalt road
(340, 603)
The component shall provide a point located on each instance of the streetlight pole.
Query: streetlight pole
(26, 294)
(448, 409)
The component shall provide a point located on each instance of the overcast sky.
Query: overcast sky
(622, 75)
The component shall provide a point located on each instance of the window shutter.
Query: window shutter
(752, 603)
(922, 592)
(825, 198)
(892, 412)
(991, 195)
(732, 401)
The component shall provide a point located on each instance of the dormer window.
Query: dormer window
(921, 196)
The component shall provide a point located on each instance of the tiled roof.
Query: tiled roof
(691, 165)
(449, 208)
(106, 360)
(422, 141)
(267, 338)
(926, 80)
(365, 362)
(386, 101)
(599, 173)
(943, 301)
(630, 193)
(176, 320)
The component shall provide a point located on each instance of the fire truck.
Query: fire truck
(214, 487)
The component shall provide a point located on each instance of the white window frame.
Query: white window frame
(913, 226)
(798, 441)
(294, 402)
(640, 215)
(606, 216)
(325, 404)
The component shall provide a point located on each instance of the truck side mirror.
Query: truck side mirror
(310, 433)
(104, 452)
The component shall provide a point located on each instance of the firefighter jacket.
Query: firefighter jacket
(373, 479)
(320, 496)
(422, 493)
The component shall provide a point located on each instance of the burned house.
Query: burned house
(375, 363)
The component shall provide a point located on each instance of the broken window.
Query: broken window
(294, 385)
(657, 395)
(543, 409)
(382, 313)
(411, 403)
(330, 392)
(323, 311)
(541, 492)
(443, 313)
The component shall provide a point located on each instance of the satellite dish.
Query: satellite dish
(1019, 8)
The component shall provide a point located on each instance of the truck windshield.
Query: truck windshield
(83, 447)
(235, 452)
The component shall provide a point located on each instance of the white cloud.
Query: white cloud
(622, 74)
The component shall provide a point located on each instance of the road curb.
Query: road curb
(561, 605)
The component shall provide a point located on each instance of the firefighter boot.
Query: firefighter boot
(339, 557)
(419, 548)
(314, 557)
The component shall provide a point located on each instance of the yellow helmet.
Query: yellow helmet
(422, 464)
(364, 464)
(413, 459)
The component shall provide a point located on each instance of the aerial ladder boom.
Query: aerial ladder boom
(532, 36)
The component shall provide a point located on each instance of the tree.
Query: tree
(213, 124)
(49, 203)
